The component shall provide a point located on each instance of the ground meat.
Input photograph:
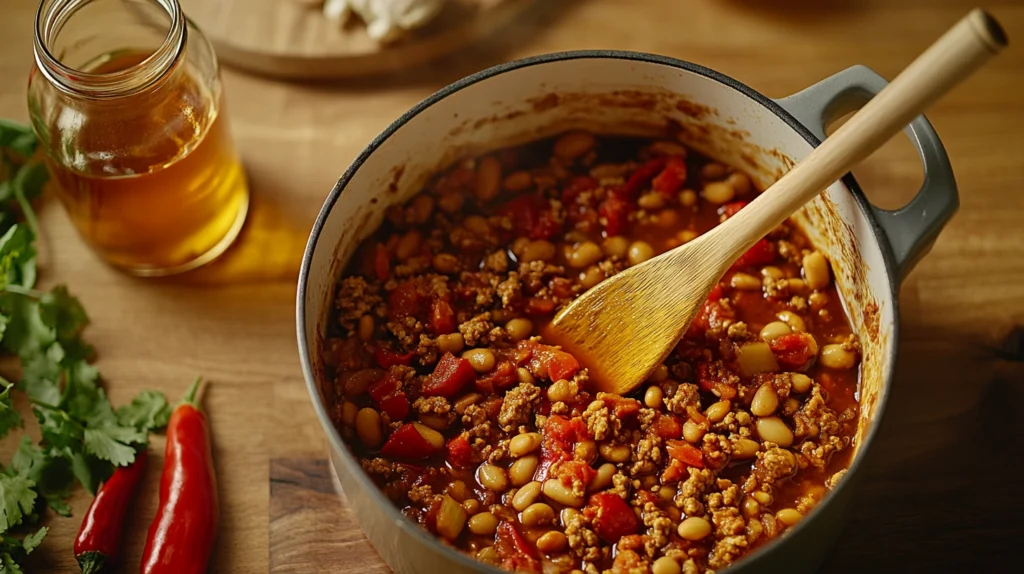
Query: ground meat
(727, 550)
(420, 493)
(775, 464)
(475, 331)
(355, 298)
(582, 540)
(518, 406)
(380, 467)
(474, 416)
(646, 456)
(685, 395)
(737, 332)
(691, 493)
(497, 261)
(716, 449)
(835, 479)
(510, 290)
(629, 562)
(659, 528)
(600, 422)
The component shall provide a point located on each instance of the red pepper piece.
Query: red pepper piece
(517, 555)
(762, 253)
(442, 317)
(562, 365)
(502, 377)
(396, 406)
(667, 427)
(612, 517)
(614, 210)
(539, 306)
(674, 472)
(387, 358)
(384, 387)
(716, 378)
(730, 209)
(412, 441)
(460, 453)
(571, 471)
(381, 262)
(404, 301)
(643, 175)
(184, 530)
(531, 216)
(672, 178)
(450, 376)
(794, 351)
(99, 538)
(622, 407)
(685, 452)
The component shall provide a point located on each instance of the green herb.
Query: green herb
(83, 436)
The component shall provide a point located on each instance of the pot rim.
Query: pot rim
(771, 105)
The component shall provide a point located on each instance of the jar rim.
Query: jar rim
(50, 19)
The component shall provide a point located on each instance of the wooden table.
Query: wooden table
(941, 489)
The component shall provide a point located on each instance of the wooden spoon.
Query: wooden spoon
(624, 327)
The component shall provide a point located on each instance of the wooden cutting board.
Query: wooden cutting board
(291, 39)
(311, 528)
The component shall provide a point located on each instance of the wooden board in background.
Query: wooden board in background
(293, 40)
(311, 529)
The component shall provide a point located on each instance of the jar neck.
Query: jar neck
(51, 19)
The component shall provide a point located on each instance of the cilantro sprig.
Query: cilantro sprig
(83, 436)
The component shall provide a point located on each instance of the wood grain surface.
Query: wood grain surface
(941, 492)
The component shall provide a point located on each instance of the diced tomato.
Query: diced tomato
(685, 452)
(387, 358)
(381, 262)
(409, 443)
(622, 407)
(667, 426)
(794, 351)
(404, 301)
(672, 178)
(442, 317)
(396, 405)
(762, 253)
(517, 555)
(531, 216)
(730, 209)
(501, 378)
(612, 517)
(561, 287)
(384, 387)
(450, 376)
(562, 365)
(716, 378)
(674, 472)
(615, 212)
(643, 176)
(571, 471)
(547, 361)
(460, 453)
(551, 453)
(566, 431)
(539, 306)
(711, 314)
(578, 185)
(492, 407)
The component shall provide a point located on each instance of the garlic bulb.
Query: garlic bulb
(386, 20)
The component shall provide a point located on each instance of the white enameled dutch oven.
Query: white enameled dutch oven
(631, 93)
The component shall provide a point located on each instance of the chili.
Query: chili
(99, 538)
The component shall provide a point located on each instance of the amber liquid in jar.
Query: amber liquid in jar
(156, 186)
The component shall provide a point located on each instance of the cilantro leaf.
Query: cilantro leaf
(18, 256)
(148, 411)
(89, 470)
(114, 443)
(17, 137)
(32, 541)
(9, 566)
(63, 313)
(17, 498)
(9, 418)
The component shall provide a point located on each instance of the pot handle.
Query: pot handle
(911, 229)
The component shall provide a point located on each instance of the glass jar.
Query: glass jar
(127, 103)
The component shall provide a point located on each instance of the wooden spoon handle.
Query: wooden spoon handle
(953, 57)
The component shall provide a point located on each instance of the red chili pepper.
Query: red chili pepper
(99, 538)
(182, 533)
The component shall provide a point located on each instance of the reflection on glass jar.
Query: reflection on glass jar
(126, 100)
